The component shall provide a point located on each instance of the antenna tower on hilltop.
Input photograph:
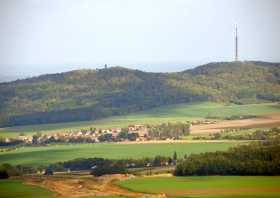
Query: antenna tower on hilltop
(236, 43)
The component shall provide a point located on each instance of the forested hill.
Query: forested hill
(92, 94)
(238, 82)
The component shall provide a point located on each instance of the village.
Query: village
(136, 132)
(131, 133)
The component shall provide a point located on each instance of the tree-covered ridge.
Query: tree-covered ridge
(243, 82)
(93, 94)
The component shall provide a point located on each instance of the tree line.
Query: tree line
(97, 166)
(101, 166)
(169, 130)
(259, 158)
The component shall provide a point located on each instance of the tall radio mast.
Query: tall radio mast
(236, 43)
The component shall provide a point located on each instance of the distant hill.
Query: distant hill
(9, 78)
(92, 94)
(238, 82)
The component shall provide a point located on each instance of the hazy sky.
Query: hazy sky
(48, 36)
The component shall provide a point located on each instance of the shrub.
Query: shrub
(48, 171)
(10, 170)
(3, 174)
(99, 171)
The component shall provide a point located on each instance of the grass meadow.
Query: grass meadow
(207, 186)
(16, 189)
(171, 113)
(43, 155)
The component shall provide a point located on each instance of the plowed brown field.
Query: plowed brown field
(268, 120)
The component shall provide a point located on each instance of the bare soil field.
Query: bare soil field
(80, 186)
(267, 120)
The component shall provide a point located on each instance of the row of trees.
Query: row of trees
(254, 159)
(96, 166)
(170, 130)
(123, 135)
(101, 166)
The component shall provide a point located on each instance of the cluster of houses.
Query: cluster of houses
(93, 134)
(89, 135)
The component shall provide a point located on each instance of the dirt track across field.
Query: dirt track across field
(268, 120)
(77, 186)
(180, 141)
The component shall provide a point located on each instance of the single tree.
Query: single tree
(174, 158)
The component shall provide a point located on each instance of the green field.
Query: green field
(16, 189)
(43, 155)
(171, 113)
(208, 186)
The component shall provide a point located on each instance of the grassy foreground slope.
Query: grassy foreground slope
(208, 186)
(56, 153)
(170, 113)
(16, 189)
